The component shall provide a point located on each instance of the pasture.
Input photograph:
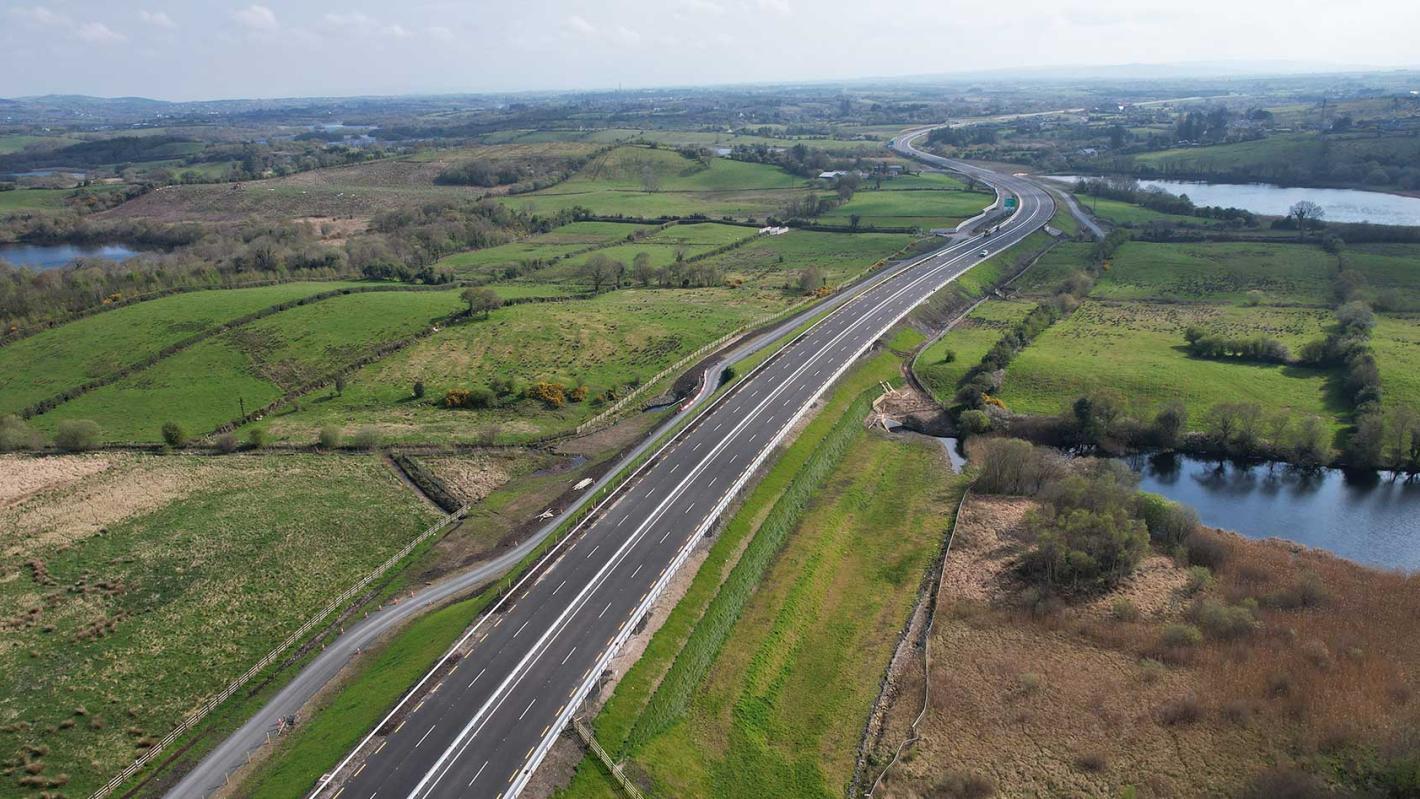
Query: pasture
(1136, 349)
(770, 262)
(54, 360)
(1396, 342)
(919, 208)
(604, 343)
(653, 182)
(973, 336)
(247, 367)
(559, 242)
(135, 592)
(1282, 274)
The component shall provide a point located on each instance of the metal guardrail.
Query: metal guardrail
(195, 716)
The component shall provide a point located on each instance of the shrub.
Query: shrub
(949, 356)
(1178, 712)
(1287, 783)
(1181, 636)
(76, 435)
(456, 398)
(1199, 578)
(549, 394)
(227, 442)
(329, 437)
(366, 438)
(1124, 610)
(1012, 466)
(16, 434)
(257, 438)
(419, 389)
(975, 422)
(1203, 548)
(1307, 591)
(578, 394)
(1083, 549)
(1224, 621)
(963, 785)
(174, 435)
(1091, 762)
(1169, 522)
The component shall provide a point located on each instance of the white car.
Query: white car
(984, 253)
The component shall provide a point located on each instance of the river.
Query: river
(1368, 518)
(53, 256)
(1341, 205)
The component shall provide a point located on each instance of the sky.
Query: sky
(213, 49)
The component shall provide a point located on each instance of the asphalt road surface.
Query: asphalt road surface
(484, 723)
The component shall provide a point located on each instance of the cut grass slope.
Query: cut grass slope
(967, 342)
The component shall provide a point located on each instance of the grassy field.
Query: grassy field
(606, 342)
(1285, 274)
(783, 706)
(1277, 154)
(546, 246)
(1392, 271)
(967, 342)
(1396, 342)
(1128, 214)
(650, 182)
(358, 191)
(132, 594)
(209, 383)
(922, 208)
(54, 360)
(30, 200)
(1136, 349)
(663, 248)
(772, 261)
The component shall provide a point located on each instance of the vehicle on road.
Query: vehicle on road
(984, 253)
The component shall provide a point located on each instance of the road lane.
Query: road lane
(493, 715)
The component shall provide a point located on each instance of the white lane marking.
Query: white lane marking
(558, 588)
(520, 628)
(476, 676)
(605, 609)
(437, 772)
(480, 771)
(689, 508)
(526, 709)
(638, 570)
(568, 655)
(623, 518)
(425, 735)
(594, 550)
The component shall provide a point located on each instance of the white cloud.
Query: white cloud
(441, 33)
(98, 33)
(38, 15)
(158, 19)
(780, 7)
(256, 17)
(702, 6)
(580, 25)
(363, 24)
(396, 31)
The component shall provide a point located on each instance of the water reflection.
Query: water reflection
(1367, 517)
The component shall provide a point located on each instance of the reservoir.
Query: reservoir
(53, 256)
(1369, 518)
(1341, 205)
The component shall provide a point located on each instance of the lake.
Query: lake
(53, 256)
(1342, 205)
(1367, 518)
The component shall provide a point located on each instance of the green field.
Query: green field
(603, 343)
(1396, 342)
(972, 337)
(42, 365)
(923, 208)
(772, 261)
(41, 199)
(651, 182)
(1392, 273)
(1285, 274)
(1130, 215)
(546, 246)
(1137, 349)
(250, 366)
(162, 579)
(1279, 154)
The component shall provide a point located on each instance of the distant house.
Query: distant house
(831, 174)
(894, 169)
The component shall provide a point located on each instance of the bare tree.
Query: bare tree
(1305, 212)
(598, 270)
(650, 180)
(642, 270)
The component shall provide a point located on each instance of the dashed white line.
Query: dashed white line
(480, 771)
(558, 588)
(425, 735)
(476, 676)
(569, 654)
(526, 709)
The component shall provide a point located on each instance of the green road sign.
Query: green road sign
(1010, 202)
